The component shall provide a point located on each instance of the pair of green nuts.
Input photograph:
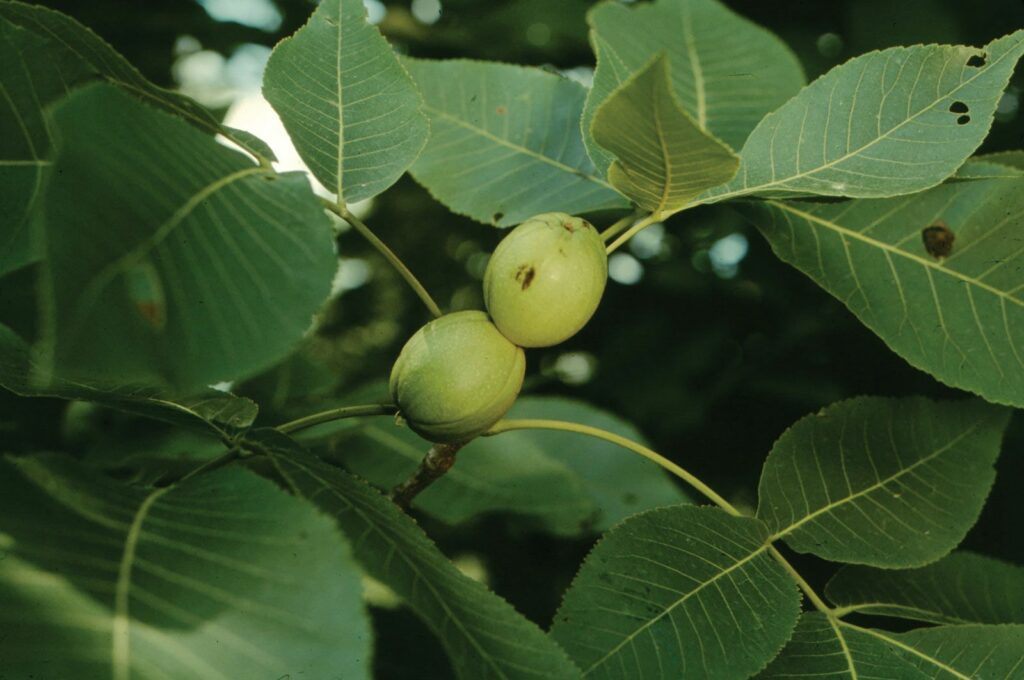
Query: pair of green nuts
(458, 375)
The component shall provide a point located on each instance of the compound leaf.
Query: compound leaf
(678, 592)
(505, 143)
(727, 71)
(939, 276)
(883, 124)
(221, 576)
(663, 158)
(482, 634)
(165, 249)
(349, 106)
(883, 482)
(960, 588)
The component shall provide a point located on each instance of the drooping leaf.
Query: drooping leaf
(663, 158)
(68, 37)
(953, 307)
(504, 142)
(727, 72)
(349, 106)
(211, 411)
(883, 124)
(961, 588)
(484, 636)
(172, 259)
(883, 482)
(563, 482)
(221, 576)
(833, 650)
(32, 75)
(678, 592)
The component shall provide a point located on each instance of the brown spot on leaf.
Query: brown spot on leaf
(152, 312)
(525, 274)
(938, 240)
(501, 110)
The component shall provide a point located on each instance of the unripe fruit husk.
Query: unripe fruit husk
(456, 377)
(545, 279)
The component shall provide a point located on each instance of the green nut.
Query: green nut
(456, 376)
(545, 279)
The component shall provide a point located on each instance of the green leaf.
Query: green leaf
(349, 106)
(664, 159)
(210, 411)
(727, 72)
(171, 258)
(965, 652)
(563, 482)
(883, 124)
(67, 36)
(958, 317)
(221, 576)
(482, 634)
(504, 142)
(832, 650)
(960, 588)
(884, 482)
(32, 75)
(678, 592)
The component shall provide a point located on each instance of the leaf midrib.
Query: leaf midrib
(120, 655)
(933, 265)
(850, 154)
(906, 648)
(874, 487)
(629, 638)
(517, 147)
(92, 289)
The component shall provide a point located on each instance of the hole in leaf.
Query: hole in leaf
(938, 240)
(963, 120)
(958, 107)
(496, 217)
(977, 60)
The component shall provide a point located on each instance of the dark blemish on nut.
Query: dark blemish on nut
(977, 60)
(525, 275)
(569, 226)
(958, 107)
(496, 217)
(501, 110)
(963, 120)
(938, 240)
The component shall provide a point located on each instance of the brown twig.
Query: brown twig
(439, 460)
